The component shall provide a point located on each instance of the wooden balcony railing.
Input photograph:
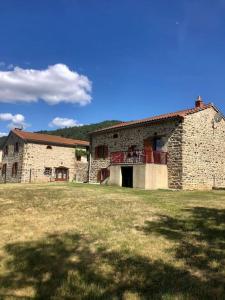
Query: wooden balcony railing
(139, 157)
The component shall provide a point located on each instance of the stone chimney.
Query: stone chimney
(199, 102)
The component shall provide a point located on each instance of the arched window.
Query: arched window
(49, 147)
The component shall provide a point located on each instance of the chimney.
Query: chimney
(199, 102)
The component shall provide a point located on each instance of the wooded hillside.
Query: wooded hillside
(76, 132)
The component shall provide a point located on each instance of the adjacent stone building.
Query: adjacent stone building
(33, 157)
(180, 150)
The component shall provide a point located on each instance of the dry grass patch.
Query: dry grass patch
(70, 241)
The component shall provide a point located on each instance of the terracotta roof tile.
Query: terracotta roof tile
(48, 139)
(178, 114)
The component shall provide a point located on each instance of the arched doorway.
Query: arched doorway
(61, 174)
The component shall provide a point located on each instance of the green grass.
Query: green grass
(77, 241)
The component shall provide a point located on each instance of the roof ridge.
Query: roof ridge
(48, 135)
(48, 138)
(179, 113)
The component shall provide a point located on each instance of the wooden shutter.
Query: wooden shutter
(99, 175)
(148, 150)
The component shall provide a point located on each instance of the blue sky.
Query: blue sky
(119, 60)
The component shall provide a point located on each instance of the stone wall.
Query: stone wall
(37, 157)
(81, 171)
(172, 132)
(203, 151)
(11, 158)
(33, 158)
(175, 157)
(95, 166)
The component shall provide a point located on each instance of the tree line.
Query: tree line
(76, 132)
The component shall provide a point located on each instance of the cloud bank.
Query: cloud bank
(3, 134)
(63, 122)
(17, 120)
(53, 85)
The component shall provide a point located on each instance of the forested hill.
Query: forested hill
(76, 132)
(2, 140)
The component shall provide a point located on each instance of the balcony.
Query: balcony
(139, 157)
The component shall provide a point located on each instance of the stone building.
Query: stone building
(0, 160)
(34, 157)
(180, 150)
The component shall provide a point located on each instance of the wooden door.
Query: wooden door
(61, 174)
(148, 148)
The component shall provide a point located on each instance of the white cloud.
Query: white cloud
(10, 117)
(17, 120)
(53, 85)
(63, 122)
(3, 134)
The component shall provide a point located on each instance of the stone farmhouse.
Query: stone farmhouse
(34, 157)
(180, 150)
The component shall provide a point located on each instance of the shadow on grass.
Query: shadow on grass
(67, 267)
(199, 243)
(71, 266)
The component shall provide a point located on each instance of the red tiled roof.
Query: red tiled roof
(48, 139)
(173, 115)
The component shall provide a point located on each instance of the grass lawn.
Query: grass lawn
(77, 241)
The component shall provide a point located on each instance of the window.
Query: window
(78, 157)
(132, 148)
(115, 136)
(6, 150)
(49, 147)
(101, 152)
(48, 171)
(158, 144)
(4, 168)
(80, 152)
(16, 147)
(14, 169)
